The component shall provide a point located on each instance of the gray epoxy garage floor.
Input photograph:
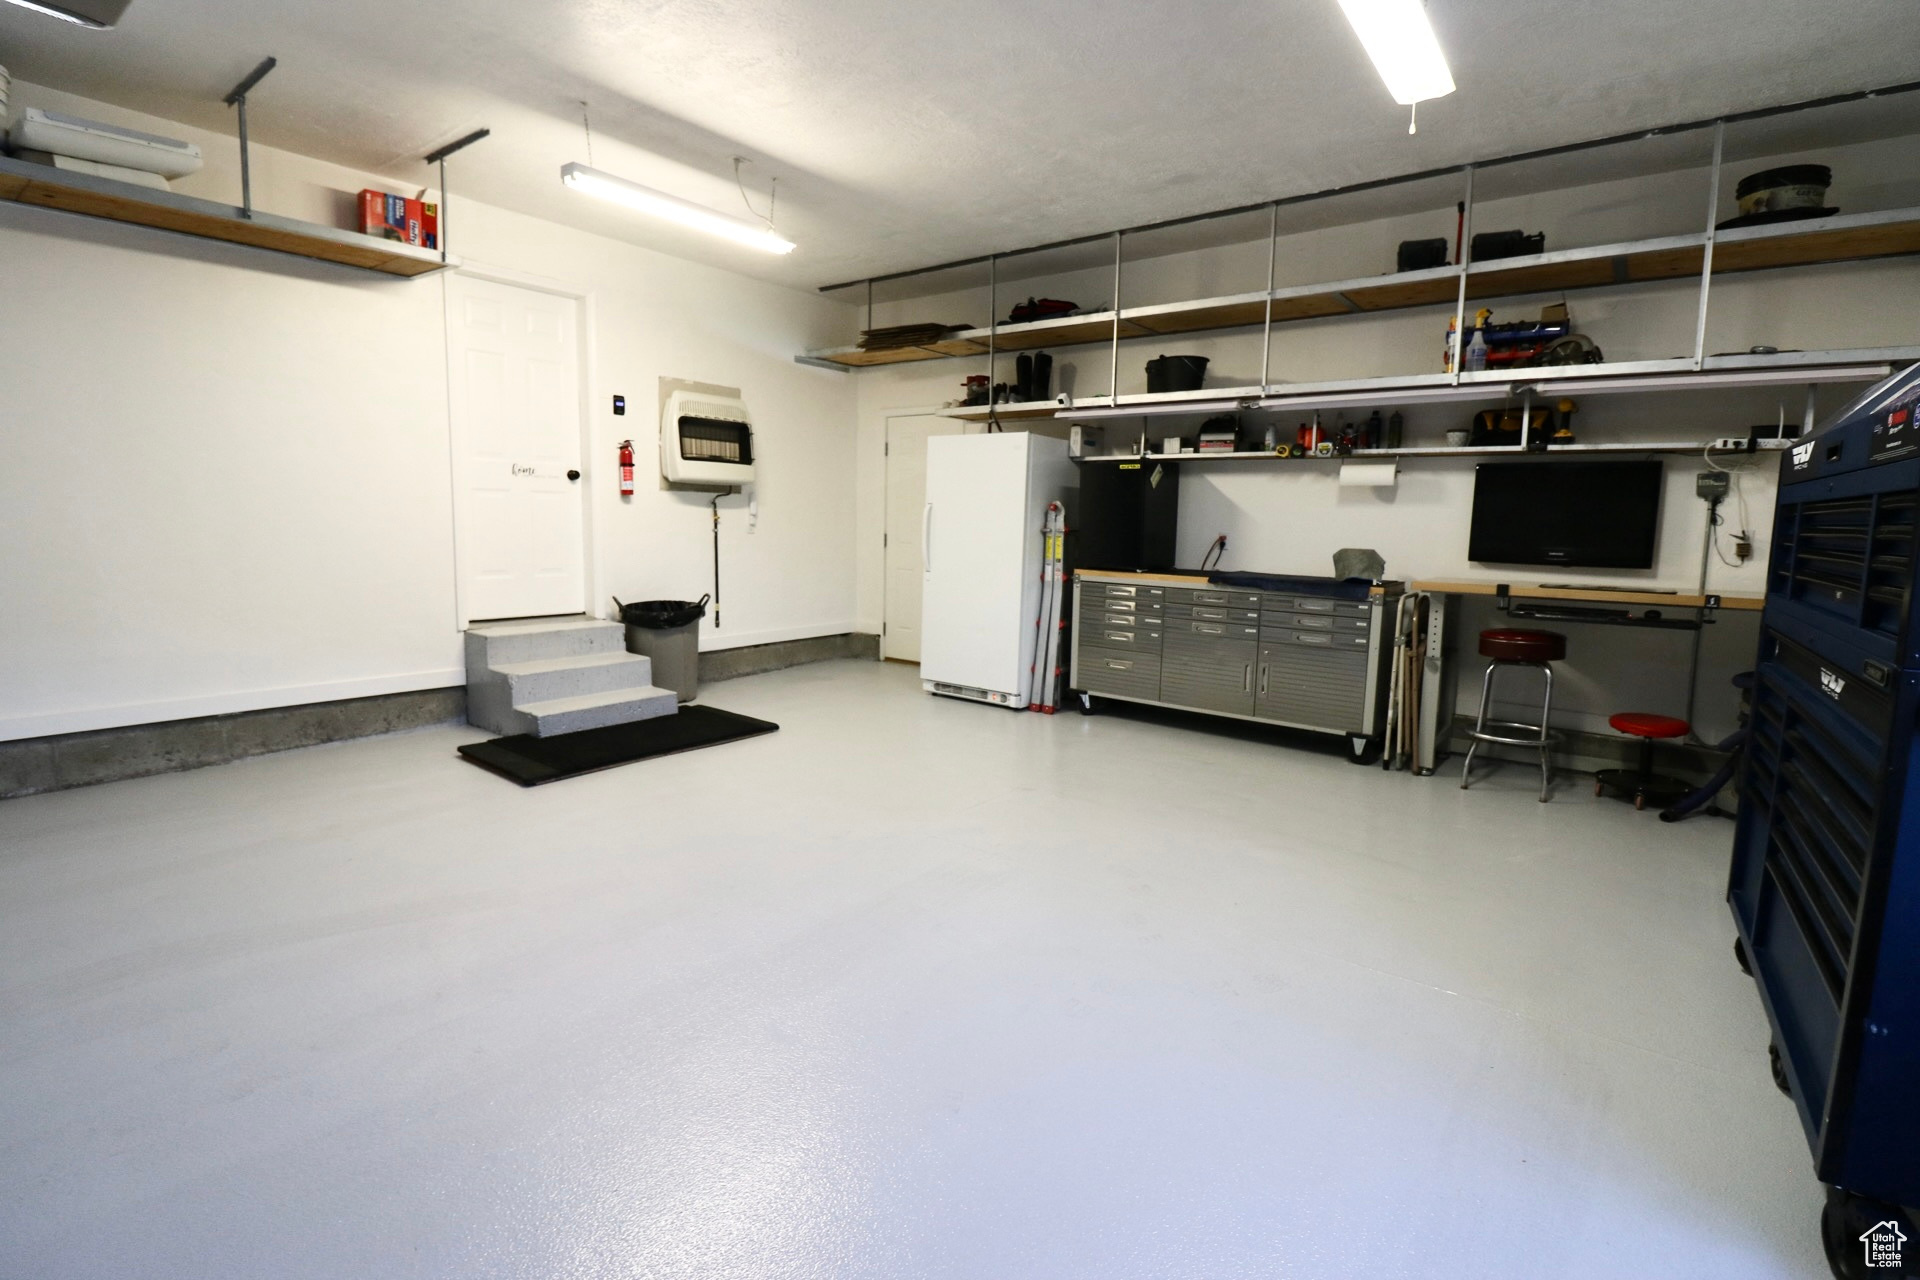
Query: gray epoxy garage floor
(910, 988)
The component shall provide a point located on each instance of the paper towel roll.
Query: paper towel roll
(1369, 475)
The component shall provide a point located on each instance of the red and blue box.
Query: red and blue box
(392, 217)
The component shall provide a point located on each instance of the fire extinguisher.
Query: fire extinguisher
(626, 468)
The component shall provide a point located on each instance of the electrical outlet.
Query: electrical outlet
(1732, 444)
(1743, 548)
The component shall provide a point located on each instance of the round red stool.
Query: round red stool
(1642, 784)
(1514, 647)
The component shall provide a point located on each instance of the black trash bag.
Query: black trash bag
(662, 615)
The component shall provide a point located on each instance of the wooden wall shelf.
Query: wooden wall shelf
(81, 193)
(1842, 238)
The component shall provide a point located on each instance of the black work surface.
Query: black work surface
(531, 761)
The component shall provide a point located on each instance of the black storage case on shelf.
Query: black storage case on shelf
(1126, 516)
(1825, 882)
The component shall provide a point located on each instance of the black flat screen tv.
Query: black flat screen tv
(1588, 515)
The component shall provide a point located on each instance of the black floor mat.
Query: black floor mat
(531, 761)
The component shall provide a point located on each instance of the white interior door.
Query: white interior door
(514, 358)
(906, 503)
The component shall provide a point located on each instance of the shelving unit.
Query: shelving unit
(26, 183)
(1465, 451)
(1703, 256)
(1799, 368)
(1842, 238)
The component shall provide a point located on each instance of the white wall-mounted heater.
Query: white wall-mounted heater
(706, 440)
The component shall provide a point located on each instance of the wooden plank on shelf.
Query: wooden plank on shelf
(855, 358)
(1054, 334)
(956, 347)
(1543, 277)
(1839, 244)
(1395, 295)
(212, 223)
(1196, 319)
(1310, 306)
(1662, 264)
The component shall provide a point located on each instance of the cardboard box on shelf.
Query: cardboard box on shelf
(399, 218)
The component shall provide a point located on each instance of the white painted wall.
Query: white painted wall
(226, 478)
(1290, 517)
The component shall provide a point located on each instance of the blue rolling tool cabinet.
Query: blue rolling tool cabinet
(1825, 883)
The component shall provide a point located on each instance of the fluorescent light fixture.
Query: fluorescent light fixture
(673, 209)
(1600, 384)
(97, 14)
(1405, 52)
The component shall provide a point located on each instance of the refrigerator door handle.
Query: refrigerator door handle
(926, 539)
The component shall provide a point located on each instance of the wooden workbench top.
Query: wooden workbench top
(1141, 575)
(1186, 579)
(1587, 595)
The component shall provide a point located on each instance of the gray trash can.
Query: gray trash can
(668, 632)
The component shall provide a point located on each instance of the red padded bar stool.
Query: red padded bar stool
(1642, 784)
(1512, 647)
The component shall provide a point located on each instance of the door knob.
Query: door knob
(573, 475)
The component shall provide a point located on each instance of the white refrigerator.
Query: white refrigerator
(987, 497)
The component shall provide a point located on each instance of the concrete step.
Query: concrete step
(592, 711)
(490, 644)
(547, 678)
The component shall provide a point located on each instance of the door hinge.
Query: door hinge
(883, 539)
(886, 448)
(883, 628)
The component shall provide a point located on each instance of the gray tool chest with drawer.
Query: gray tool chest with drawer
(1311, 656)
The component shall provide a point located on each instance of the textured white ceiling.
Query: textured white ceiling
(909, 134)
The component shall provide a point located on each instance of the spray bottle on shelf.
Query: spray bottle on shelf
(1476, 357)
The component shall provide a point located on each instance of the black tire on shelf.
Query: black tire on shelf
(1779, 1068)
(1740, 957)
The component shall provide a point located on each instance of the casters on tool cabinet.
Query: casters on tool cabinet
(1740, 957)
(1086, 705)
(1866, 1239)
(1362, 750)
(1779, 1069)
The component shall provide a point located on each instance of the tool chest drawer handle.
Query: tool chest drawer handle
(1125, 637)
(1207, 630)
(1246, 680)
(1122, 591)
(1219, 614)
(1314, 606)
(1122, 605)
(1118, 665)
(1263, 679)
(1209, 597)
(1312, 637)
